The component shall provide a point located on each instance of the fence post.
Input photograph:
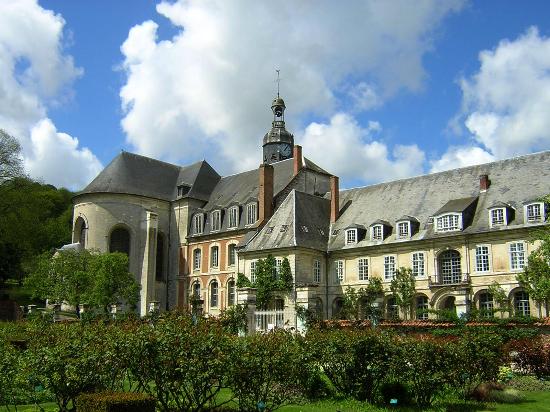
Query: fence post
(247, 297)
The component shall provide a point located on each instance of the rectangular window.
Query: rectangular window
(418, 264)
(363, 269)
(253, 272)
(278, 266)
(216, 220)
(447, 223)
(534, 213)
(339, 271)
(317, 271)
(231, 293)
(233, 217)
(351, 236)
(214, 294)
(196, 259)
(403, 230)
(377, 232)
(482, 258)
(389, 267)
(251, 213)
(232, 254)
(517, 256)
(197, 224)
(497, 217)
(214, 257)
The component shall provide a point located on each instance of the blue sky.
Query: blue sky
(374, 91)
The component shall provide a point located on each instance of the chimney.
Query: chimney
(265, 193)
(484, 183)
(334, 199)
(297, 155)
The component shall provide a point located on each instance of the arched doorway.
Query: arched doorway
(80, 231)
(449, 304)
(337, 306)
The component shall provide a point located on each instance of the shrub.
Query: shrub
(394, 390)
(269, 369)
(532, 356)
(115, 402)
(528, 384)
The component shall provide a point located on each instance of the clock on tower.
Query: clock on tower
(278, 142)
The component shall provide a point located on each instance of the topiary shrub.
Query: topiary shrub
(532, 356)
(115, 402)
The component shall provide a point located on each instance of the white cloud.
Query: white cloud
(57, 158)
(506, 103)
(456, 157)
(36, 73)
(208, 89)
(350, 151)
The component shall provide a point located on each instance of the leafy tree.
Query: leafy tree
(499, 297)
(82, 276)
(11, 165)
(359, 304)
(403, 290)
(268, 280)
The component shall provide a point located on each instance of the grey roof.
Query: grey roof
(302, 220)
(70, 246)
(498, 204)
(456, 205)
(130, 173)
(512, 181)
(407, 217)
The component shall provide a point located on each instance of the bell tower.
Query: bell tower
(278, 142)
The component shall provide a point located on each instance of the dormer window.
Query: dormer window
(498, 217)
(377, 232)
(183, 190)
(351, 236)
(251, 213)
(198, 223)
(233, 217)
(404, 230)
(216, 218)
(449, 222)
(534, 212)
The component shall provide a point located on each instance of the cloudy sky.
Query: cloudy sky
(375, 90)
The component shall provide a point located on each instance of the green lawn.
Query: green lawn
(534, 402)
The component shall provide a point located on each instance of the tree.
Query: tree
(81, 276)
(359, 304)
(499, 297)
(403, 290)
(269, 279)
(535, 278)
(11, 165)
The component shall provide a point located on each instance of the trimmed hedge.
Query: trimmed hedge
(115, 402)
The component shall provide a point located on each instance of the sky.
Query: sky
(375, 90)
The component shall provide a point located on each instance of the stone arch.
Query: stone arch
(80, 230)
(337, 306)
(421, 306)
(521, 302)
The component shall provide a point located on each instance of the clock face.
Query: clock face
(285, 149)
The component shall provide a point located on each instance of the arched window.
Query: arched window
(80, 231)
(196, 290)
(214, 294)
(486, 305)
(337, 305)
(392, 310)
(196, 259)
(159, 273)
(120, 241)
(231, 254)
(319, 308)
(521, 304)
(231, 293)
(449, 304)
(450, 271)
(422, 307)
(214, 257)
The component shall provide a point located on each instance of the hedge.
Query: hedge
(115, 402)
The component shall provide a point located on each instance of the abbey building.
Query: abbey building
(188, 231)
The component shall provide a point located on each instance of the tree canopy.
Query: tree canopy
(403, 290)
(11, 165)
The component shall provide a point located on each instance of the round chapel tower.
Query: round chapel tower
(278, 142)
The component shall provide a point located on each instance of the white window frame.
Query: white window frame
(233, 217)
(339, 272)
(351, 236)
(278, 266)
(195, 265)
(390, 266)
(216, 295)
(418, 266)
(374, 235)
(216, 218)
(363, 269)
(231, 292)
(541, 216)
(450, 222)
(198, 223)
(492, 219)
(515, 265)
(316, 271)
(229, 264)
(253, 271)
(251, 213)
(215, 264)
(406, 224)
(479, 264)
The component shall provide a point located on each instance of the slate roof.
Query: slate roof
(512, 182)
(302, 220)
(129, 173)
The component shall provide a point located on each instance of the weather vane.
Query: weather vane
(278, 80)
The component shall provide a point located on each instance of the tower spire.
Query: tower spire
(278, 81)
